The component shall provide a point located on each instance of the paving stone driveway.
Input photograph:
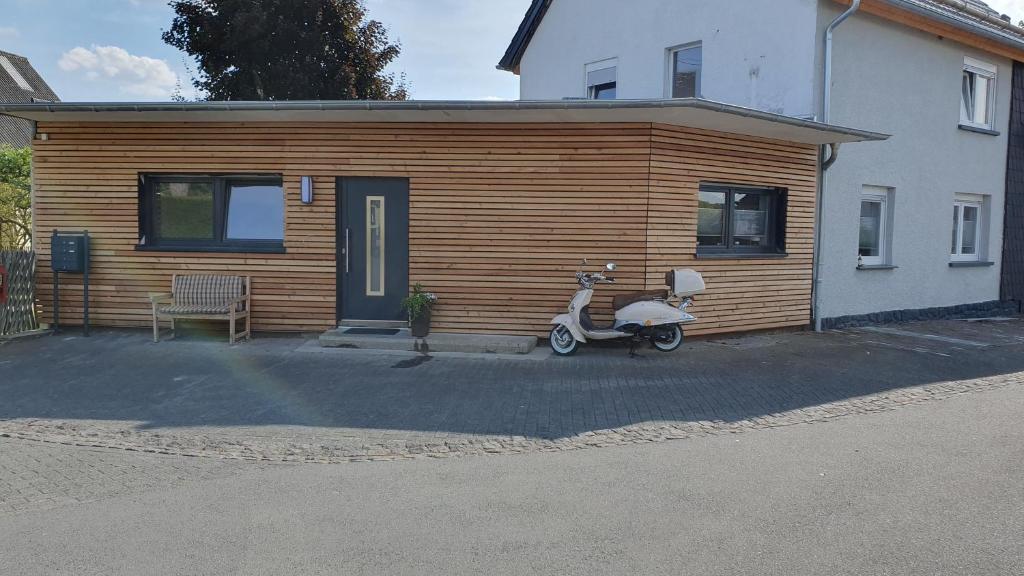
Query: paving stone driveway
(288, 400)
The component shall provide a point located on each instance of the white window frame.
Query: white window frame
(881, 196)
(588, 88)
(670, 57)
(972, 201)
(990, 72)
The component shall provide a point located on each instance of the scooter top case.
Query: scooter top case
(684, 282)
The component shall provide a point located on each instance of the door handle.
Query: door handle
(346, 250)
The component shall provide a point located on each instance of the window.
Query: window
(967, 224)
(684, 65)
(212, 213)
(875, 227)
(739, 219)
(977, 94)
(8, 66)
(601, 79)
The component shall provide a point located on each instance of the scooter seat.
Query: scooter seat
(622, 300)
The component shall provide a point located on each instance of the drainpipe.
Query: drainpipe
(828, 157)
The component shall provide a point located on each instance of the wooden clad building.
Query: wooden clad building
(489, 205)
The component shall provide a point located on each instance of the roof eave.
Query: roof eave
(514, 53)
(689, 112)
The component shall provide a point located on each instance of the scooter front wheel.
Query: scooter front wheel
(562, 341)
(668, 339)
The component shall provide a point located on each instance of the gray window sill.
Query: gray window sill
(740, 256)
(971, 264)
(978, 129)
(876, 267)
(243, 249)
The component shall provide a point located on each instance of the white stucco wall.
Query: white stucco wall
(892, 79)
(887, 77)
(756, 53)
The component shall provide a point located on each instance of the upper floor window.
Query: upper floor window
(684, 63)
(215, 213)
(977, 94)
(601, 79)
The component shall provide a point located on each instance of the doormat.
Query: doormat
(373, 331)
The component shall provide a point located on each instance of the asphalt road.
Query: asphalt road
(936, 488)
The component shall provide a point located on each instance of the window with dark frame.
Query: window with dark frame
(737, 220)
(230, 213)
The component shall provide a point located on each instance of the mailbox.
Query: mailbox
(68, 253)
(3, 284)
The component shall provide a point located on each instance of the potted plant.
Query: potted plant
(419, 304)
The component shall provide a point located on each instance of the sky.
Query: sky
(110, 50)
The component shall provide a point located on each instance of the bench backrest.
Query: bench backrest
(207, 289)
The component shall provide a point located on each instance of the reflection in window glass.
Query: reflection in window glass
(374, 245)
(711, 219)
(255, 211)
(686, 63)
(956, 227)
(970, 231)
(184, 210)
(870, 228)
(603, 91)
(750, 220)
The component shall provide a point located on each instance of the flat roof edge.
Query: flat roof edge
(37, 110)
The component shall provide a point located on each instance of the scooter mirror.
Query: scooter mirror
(610, 266)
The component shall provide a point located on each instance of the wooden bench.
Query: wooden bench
(204, 297)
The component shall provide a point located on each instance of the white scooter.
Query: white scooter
(638, 315)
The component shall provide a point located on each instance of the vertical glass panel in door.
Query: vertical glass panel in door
(870, 228)
(750, 220)
(184, 210)
(711, 219)
(969, 234)
(374, 245)
(255, 211)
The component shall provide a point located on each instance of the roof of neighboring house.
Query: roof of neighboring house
(970, 15)
(19, 83)
(689, 112)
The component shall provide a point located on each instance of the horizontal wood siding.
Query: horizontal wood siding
(500, 215)
(741, 294)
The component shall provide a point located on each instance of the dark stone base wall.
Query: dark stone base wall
(977, 310)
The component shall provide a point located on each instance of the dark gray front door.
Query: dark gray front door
(373, 248)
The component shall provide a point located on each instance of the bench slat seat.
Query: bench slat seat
(207, 297)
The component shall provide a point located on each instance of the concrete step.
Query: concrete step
(439, 342)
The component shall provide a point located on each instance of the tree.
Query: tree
(15, 198)
(286, 50)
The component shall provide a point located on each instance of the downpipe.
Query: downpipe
(828, 156)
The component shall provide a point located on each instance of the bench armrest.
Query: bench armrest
(155, 297)
(240, 300)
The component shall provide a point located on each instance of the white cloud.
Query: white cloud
(139, 76)
(8, 33)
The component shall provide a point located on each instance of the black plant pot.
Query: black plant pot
(420, 325)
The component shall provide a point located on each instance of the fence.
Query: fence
(19, 314)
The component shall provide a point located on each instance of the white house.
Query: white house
(907, 228)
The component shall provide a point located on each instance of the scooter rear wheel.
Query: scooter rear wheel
(668, 339)
(562, 341)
